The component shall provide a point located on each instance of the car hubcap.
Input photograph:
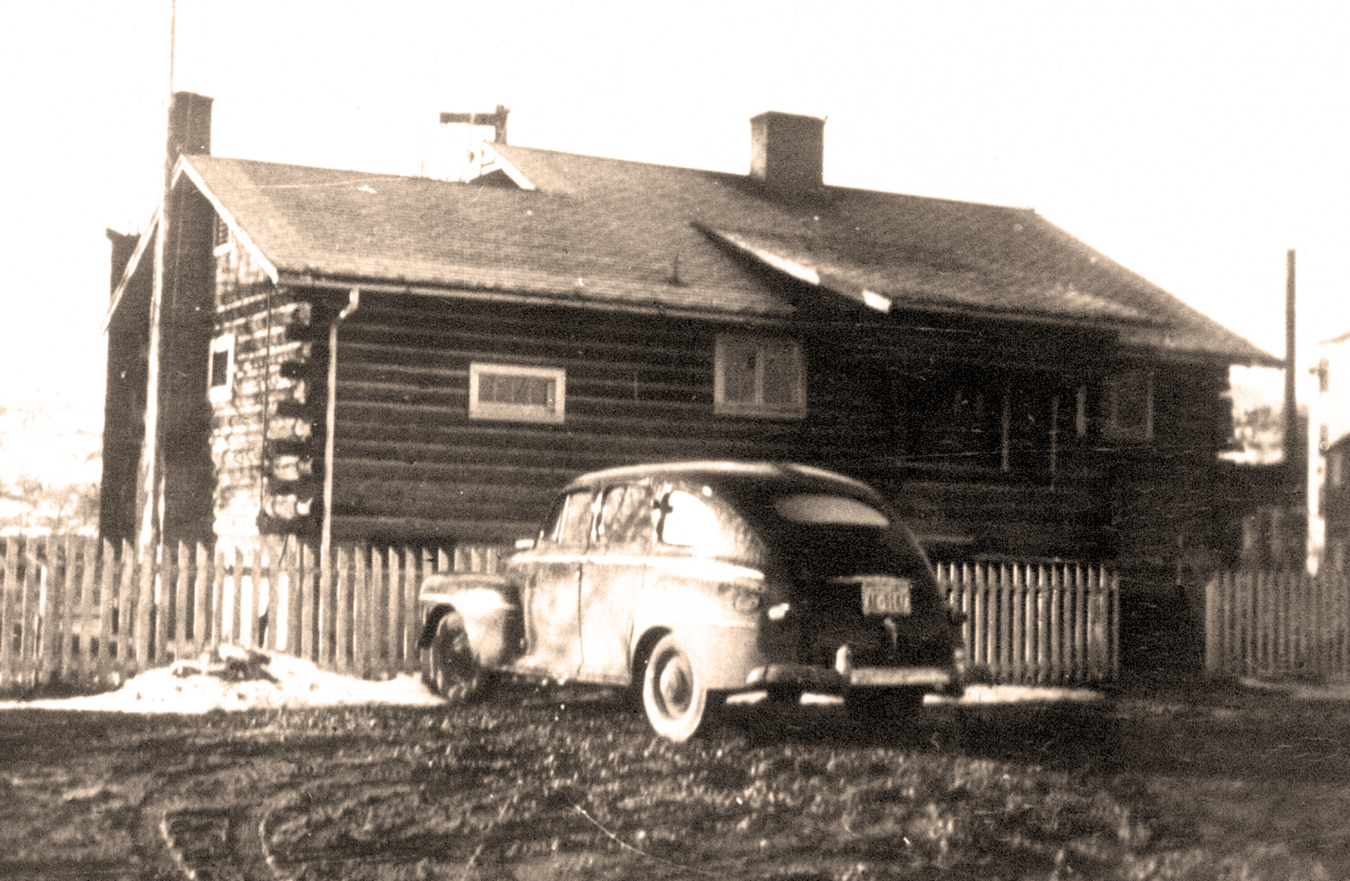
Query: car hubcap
(675, 686)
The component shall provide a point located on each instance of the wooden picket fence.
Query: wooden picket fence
(73, 609)
(76, 610)
(1272, 625)
(1038, 623)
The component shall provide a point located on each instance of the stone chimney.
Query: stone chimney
(189, 127)
(787, 151)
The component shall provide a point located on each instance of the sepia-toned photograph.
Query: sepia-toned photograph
(790, 441)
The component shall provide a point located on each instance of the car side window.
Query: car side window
(689, 521)
(571, 520)
(625, 516)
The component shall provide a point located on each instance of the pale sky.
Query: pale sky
(1193, 143)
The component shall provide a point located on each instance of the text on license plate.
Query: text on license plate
(885, 597)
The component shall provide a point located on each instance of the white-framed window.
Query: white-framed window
(1128, 405)
(220, 377)
(759, 376)
(516, 393)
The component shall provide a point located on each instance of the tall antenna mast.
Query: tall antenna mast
(173, 37)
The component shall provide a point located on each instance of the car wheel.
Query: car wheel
(883, 706)
(673, 695)
(448, 665)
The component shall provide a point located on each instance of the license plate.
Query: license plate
(888, 596)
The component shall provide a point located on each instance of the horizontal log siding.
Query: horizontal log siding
(409, 461)
(1166, 496)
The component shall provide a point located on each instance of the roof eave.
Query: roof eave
(185, 168)
(480, 291)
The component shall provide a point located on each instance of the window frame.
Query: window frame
(758, 408)
(223, 391)
(505, 412)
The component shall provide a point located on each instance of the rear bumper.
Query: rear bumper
(827, 681)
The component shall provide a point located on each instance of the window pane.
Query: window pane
(625, 516)
(528, 391)
(820, 509)
(782, 376)
(738, 373)
(220, 368)
(692, 522)
(572, 523)
(758, 376)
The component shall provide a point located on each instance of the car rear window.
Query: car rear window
(822, 509)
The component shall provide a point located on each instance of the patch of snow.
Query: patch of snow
(235, 678)
(1018, 694)
(280, 682)
(1302, 690)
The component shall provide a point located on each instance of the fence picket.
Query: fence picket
(201, 598)
(344, 612)
(9, 627)
(82, 629)
(1271, 624)
(165, 608)
(101, 666)
(413, 575)
(28, 614)
(325, 619)
(58, 599)
(394, 605)
(361, 618)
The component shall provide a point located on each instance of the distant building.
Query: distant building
(1329, 458)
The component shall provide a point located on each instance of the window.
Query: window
(819, 509)
(759, 377)
(221, 377)
(1128, 400)
(516, 393)
(690, 522)
(625, 516)
(570, 522)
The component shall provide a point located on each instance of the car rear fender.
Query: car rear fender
(723, 654)
(489, 607)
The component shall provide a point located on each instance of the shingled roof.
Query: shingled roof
(630, 235)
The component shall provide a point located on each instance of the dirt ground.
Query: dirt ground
(555, 783)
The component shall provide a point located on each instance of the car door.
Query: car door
(552, 589)
(612, 578)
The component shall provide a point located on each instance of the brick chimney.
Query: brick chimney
(189, 127)
(787, 151)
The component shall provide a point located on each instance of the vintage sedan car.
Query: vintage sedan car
(694, 581)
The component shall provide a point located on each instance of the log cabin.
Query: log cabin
(342, 356)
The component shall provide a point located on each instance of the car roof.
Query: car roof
(727, 472)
